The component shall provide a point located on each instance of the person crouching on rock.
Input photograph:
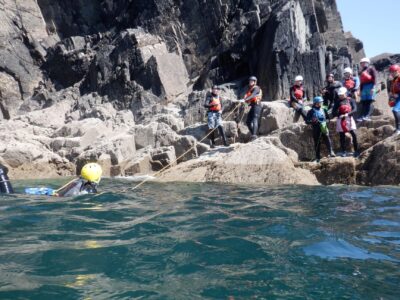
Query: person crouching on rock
(253, 98)
(317, 117)
(329, 92)
(367, 86)
(344, 109)
(297, 96)
(214, 116)
(394, 95)
(5, 184)
(86, 184)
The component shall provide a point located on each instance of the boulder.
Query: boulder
(380, 164)
(200, 130)
(163, 157)
(140, 164)
(175, 123)
(333, 170)
(146, 135)
(298, 137)
(237, 165)
(277, 115)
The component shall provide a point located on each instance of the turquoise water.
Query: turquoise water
(202, 241)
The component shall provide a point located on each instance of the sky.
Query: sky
(375, 22)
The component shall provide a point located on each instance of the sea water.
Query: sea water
(202, 241)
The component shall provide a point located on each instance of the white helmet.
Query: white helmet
(342, 91)
(348, 70)
(365, 60)
(298, 78)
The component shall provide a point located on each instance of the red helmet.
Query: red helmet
(394, 68)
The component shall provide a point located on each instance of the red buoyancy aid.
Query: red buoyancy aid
(366, 77)
(395, 86)
(349, 83)
(255, 99)
(215, 104)
(344, 108)
(298, 92)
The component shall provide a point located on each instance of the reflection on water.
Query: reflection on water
(202, 241)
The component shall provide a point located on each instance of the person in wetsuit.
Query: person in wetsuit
(213, 104)
(344, 109)
(368, 78)
(5, 184)
(351, 83)
(317, 118)
(86, 183)
(297, 96)
(329, 92)
(394, 95)
(253, 98)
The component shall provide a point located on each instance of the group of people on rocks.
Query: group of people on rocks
(338, 100)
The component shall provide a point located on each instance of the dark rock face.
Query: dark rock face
(102, 43)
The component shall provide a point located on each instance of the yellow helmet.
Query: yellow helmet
(91, 172)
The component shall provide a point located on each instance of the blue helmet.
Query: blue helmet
(318, 99)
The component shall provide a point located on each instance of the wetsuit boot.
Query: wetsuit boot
(212, 138)
(342, 137)
(355, 143)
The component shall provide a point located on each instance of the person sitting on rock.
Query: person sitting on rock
(214, 116)
(394, 95)
(351, 83)
(253, 98)
(344, 109)
(317, 117)
(297, 96)
(329, 92)
(86, 183)
(368, 93)
(5, 184)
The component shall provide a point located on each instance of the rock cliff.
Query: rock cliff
(123, 82)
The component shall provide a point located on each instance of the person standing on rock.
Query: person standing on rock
(214, 116)
(253, 98)
(394, 95)
(317, 117)
(368, 93)
(329, 92)
(297, 96)
(351, 83)
(344, 108)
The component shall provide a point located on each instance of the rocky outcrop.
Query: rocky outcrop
(269, 164)
(381, 163)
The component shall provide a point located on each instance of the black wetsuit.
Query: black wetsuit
(315, 117)
(330, 96)
(5, 184)
(77, 187)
